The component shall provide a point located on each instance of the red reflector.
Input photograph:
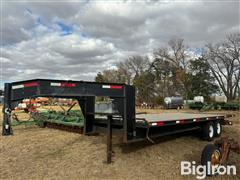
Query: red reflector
(115, 87)
(160, 123)
(31, 84)
(68, 85)
(182, 122)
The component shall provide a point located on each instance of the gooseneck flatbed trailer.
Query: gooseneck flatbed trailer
(132, 127)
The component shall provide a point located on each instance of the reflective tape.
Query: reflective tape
(55, 84)
(18, 86)
(63, 84)
(106, 86)
(154, 124)
(31, 84)
(180, 122)
(111, 87)
(160, 123)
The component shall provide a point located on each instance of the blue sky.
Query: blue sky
(66, 29)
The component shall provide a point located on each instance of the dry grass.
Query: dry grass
(35, 153)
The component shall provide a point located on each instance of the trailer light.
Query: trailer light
(180, 122)
(160, 123)
(207, 118)
(196, 120)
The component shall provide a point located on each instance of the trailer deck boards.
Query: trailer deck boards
(151, 118)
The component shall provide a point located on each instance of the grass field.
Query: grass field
(35, 153)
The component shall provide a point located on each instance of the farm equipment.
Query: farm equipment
(73, 118)
(218, 153)
(123, 119)
(215, 106)
(71, 121)
(196, 105)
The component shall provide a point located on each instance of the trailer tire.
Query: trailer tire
(217, 128)
(208, 131)
(211, 154)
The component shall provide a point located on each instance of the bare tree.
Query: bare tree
(176, 58)
(224, 61)
(175, 54)
(133, 67)
(137, 64)
(111, 76)
(124, 71)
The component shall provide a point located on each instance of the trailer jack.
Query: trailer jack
(109, 139)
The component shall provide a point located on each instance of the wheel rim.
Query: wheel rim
(215, 160)
(211, 131)
(218, 128)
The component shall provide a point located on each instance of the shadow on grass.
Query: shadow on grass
(132, 147)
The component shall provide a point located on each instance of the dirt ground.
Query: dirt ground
(35, 153)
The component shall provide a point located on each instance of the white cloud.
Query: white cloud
(95, 35)
(53, 56)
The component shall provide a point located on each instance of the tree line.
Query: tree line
(173, 71)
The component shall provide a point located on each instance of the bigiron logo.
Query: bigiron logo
(201, 171)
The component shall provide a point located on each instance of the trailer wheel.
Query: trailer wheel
(217, 129)
(208, 131)
(211, 156)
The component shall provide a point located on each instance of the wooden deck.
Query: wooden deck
(175, 116)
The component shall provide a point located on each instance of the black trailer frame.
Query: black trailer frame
(132, 127)
(85, 92)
